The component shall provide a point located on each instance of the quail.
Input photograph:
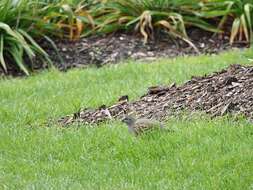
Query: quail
(139, 126)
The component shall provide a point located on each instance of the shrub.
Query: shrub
(23, 20)
(241, 12)
(71, 18)
(174, 16)
(145, 16)
(15, 42)
(237, 14)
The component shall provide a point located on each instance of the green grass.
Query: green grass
(200, 154)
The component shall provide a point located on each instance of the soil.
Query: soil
(229, 91)
(113, 48)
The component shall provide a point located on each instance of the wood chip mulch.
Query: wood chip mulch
(228, 91)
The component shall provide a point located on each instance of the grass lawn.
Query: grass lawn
(200, 154)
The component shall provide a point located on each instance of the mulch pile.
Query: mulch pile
(227, 91)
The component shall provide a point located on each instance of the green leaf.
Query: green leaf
(2, 52)
(235, 29)
(17, 54)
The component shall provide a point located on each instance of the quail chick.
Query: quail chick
(139, 126)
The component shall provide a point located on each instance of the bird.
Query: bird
(142, 125)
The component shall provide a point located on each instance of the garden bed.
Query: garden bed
(116, 47)
(229, 91)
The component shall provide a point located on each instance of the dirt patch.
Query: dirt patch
(227, 91)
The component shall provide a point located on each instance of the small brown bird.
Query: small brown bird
(139, 126)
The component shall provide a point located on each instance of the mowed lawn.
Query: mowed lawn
(200, 154)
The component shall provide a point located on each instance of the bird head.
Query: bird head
(129, 120)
